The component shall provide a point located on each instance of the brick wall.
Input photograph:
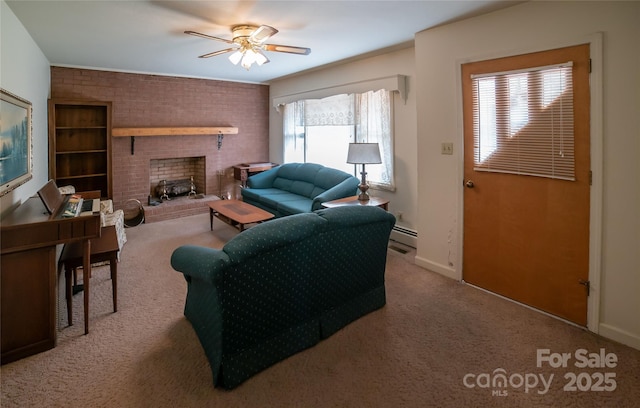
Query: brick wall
(140, 100)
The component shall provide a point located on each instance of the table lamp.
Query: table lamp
(363, 153)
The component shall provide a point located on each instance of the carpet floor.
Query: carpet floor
(437, 343)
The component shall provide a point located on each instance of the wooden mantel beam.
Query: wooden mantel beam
(173, 131)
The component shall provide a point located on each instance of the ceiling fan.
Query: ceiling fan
(249, 43)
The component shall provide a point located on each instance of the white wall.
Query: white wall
(404, 199)
(523, 28)
(24, 71)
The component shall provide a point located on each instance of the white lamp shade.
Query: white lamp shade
(235, 57)
(261, 58)
(248, 59)
(364, 153)
(247, 55)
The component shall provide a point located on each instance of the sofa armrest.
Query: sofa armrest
(347, 188)
(199, 262)
(264, 179)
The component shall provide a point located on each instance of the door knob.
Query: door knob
(469, 184)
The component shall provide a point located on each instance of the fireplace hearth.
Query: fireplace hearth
(180, 206)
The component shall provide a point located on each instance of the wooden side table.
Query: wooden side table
(243, 171)
(353, 200)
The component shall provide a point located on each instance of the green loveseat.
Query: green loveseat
(282, 286)
(295, 188)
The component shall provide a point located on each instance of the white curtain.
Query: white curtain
(333, 110)
(293, 132)
(374, 126)
(370, 114)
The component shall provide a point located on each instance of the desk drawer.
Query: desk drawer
(81, 227)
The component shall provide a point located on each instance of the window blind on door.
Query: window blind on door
(523, 122)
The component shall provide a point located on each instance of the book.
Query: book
(73, 207)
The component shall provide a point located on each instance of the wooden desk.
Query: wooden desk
(243, 171)
(28, 239)
(353, 200)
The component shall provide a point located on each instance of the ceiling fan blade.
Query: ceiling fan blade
(209, 37)
(261, 34)
(213, 54)
(287, 48)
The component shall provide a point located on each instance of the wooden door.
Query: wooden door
(527, 237)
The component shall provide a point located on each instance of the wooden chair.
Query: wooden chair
(103, 249)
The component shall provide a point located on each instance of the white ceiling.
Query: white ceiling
(147, 36)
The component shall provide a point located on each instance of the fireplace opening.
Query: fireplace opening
(174, 177)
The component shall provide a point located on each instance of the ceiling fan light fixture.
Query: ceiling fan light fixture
(236, 57)
(260, 57)
(249, 44)
(248, 58)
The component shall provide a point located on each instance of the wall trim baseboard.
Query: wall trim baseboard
(437, 268)
(605, 330)
(619, 335)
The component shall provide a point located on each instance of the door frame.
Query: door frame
(595, 42)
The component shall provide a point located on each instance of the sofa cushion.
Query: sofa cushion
(271, 198)
(328, 177)
(295, 206)
(302, 179)
(275, 200)
(302, 188)
(300, 171)
(256, 194)
(282, 183)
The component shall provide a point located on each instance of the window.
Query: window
(320, 130)
(523, 122)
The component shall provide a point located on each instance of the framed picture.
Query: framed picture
(16, 161)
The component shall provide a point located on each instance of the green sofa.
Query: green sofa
(295, 188)
(282, 286)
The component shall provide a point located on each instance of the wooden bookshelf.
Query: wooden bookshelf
(80, 145)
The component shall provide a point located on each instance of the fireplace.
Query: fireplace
(162, 171)
(177, 172)
(158, 158)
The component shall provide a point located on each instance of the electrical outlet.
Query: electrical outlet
(447, 148)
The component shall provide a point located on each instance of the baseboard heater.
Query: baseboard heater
(405, 236)
(405, 231)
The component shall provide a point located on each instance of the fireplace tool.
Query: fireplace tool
(193, 189)
(164, 195)
(222, 196)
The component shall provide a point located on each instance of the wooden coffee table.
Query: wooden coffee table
(237, 213)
